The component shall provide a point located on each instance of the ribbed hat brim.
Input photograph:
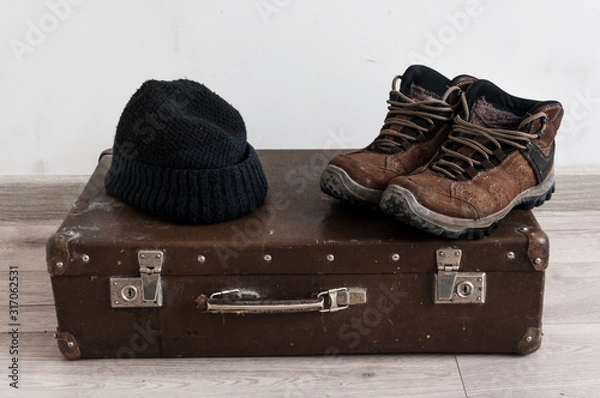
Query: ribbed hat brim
(189, 196)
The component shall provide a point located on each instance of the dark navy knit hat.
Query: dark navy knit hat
(180, 153)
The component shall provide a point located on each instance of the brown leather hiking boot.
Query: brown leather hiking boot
(499, 155)
(418, 121)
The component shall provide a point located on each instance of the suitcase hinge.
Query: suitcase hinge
(453, 287)
(448, 259)
(145, 291)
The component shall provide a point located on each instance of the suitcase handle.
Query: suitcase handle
(246, 302)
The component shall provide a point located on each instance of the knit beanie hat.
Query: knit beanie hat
(180, 153)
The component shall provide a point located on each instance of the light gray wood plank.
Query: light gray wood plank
(576, 193)
(574, 236)
(38, 198)
(565, 366)
(34, 289)
(35, 318)
(24, 245)
(577, 170)
(568, 246)
(572, 295)
(45, 371)
(568, 221)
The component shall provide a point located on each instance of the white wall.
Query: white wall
(303, 73)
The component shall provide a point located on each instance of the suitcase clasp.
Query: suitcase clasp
(453, 287)
(145, 291)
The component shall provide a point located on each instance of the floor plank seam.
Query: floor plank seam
(461, 377)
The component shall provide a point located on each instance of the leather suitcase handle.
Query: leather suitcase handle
(104, 153)
(237, 301)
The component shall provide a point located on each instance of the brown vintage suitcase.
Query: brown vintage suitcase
(303, 275)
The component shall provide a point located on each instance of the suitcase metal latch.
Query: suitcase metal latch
(144, 291)
(453, 287)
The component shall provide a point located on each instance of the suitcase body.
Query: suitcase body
(303, 275)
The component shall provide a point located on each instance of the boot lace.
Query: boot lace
(394, 139)
(452, 163)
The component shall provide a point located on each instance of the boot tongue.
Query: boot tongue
(421, 83)
(493, 108)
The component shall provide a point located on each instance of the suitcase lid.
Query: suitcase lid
(298, 230)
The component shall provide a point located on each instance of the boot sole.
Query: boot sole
(401, 204)
(337, 183)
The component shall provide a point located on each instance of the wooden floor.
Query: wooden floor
(567, 364)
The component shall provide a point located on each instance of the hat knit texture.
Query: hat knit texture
(180, 153)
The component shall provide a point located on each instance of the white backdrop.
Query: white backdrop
(303, 73)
